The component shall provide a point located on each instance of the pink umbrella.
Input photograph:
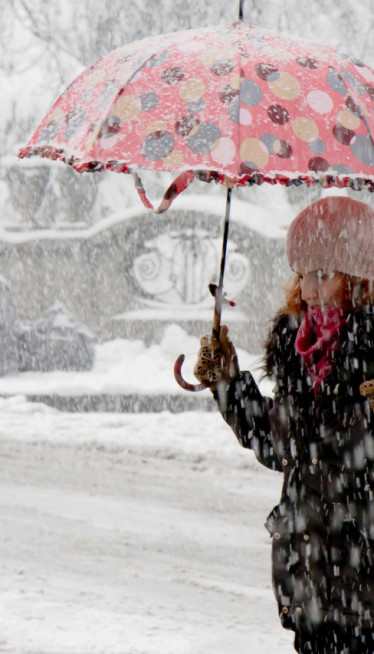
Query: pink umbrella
(236, 104)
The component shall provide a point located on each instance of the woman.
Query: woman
(318, 430)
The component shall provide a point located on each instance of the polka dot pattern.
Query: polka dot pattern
(195, 106)
(266, 71)
(250, 93)
(224, 151)
(318, 164)
(157, 145)
(172, 75)
(342, 134)
(362, 147)
(228, 94)
(307, 62)
(110, 127)
(278, 114)
(233, 101)
(202, 140)
(286, 87)
(186, 124)
(304, 129)
(192, 89)
(317, 146)
(222, 67)
(320, 101)
(75, 120)
(149, 101)
(254, 152)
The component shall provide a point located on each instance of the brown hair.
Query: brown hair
(357, 293)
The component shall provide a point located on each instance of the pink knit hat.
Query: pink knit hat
(333, 234)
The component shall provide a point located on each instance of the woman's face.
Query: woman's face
(320, 289)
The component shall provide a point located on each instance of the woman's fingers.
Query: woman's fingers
(217, 359)
(367, 388)
(210, 364)
(229, 352)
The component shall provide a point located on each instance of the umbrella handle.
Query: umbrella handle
(194, 388)
(219, 300)
(216, 329)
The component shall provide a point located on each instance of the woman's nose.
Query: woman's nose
(309, 289)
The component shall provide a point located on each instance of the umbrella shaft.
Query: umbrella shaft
(219, 292)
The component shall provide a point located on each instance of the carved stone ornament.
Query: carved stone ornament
(177, 265)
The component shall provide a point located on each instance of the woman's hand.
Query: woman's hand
(367, 388)
(217, 360)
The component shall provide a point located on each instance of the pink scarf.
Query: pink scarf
(317, 339)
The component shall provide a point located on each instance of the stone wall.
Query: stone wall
(131, 277)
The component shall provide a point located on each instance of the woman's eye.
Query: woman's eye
(322, 277)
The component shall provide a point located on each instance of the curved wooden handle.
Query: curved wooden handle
(194, 388)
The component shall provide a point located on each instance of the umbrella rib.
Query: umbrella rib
(124, 86)
(361, 114)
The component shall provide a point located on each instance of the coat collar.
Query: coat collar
(354, 360)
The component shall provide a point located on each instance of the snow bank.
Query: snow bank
(125, 367)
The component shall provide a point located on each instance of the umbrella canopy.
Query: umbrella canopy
(233, 102)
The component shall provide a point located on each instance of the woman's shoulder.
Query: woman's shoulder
(358, 348)
(355, 358)
(365, 313)
(360, 326)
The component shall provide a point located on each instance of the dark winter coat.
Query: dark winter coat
(323, 527)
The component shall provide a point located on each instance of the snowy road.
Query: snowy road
(133, 534)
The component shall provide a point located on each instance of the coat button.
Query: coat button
(285, 610)
(306, 537)
(277, 535)
(314, 461)
(284, 462)
(299, 610)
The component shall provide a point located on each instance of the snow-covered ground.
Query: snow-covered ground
(129, 534)
(132, 533)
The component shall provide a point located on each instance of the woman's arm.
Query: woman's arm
(237, 395)
(246, 411)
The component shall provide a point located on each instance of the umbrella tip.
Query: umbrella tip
(241, 6)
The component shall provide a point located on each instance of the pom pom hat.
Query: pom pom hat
(335, 234)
